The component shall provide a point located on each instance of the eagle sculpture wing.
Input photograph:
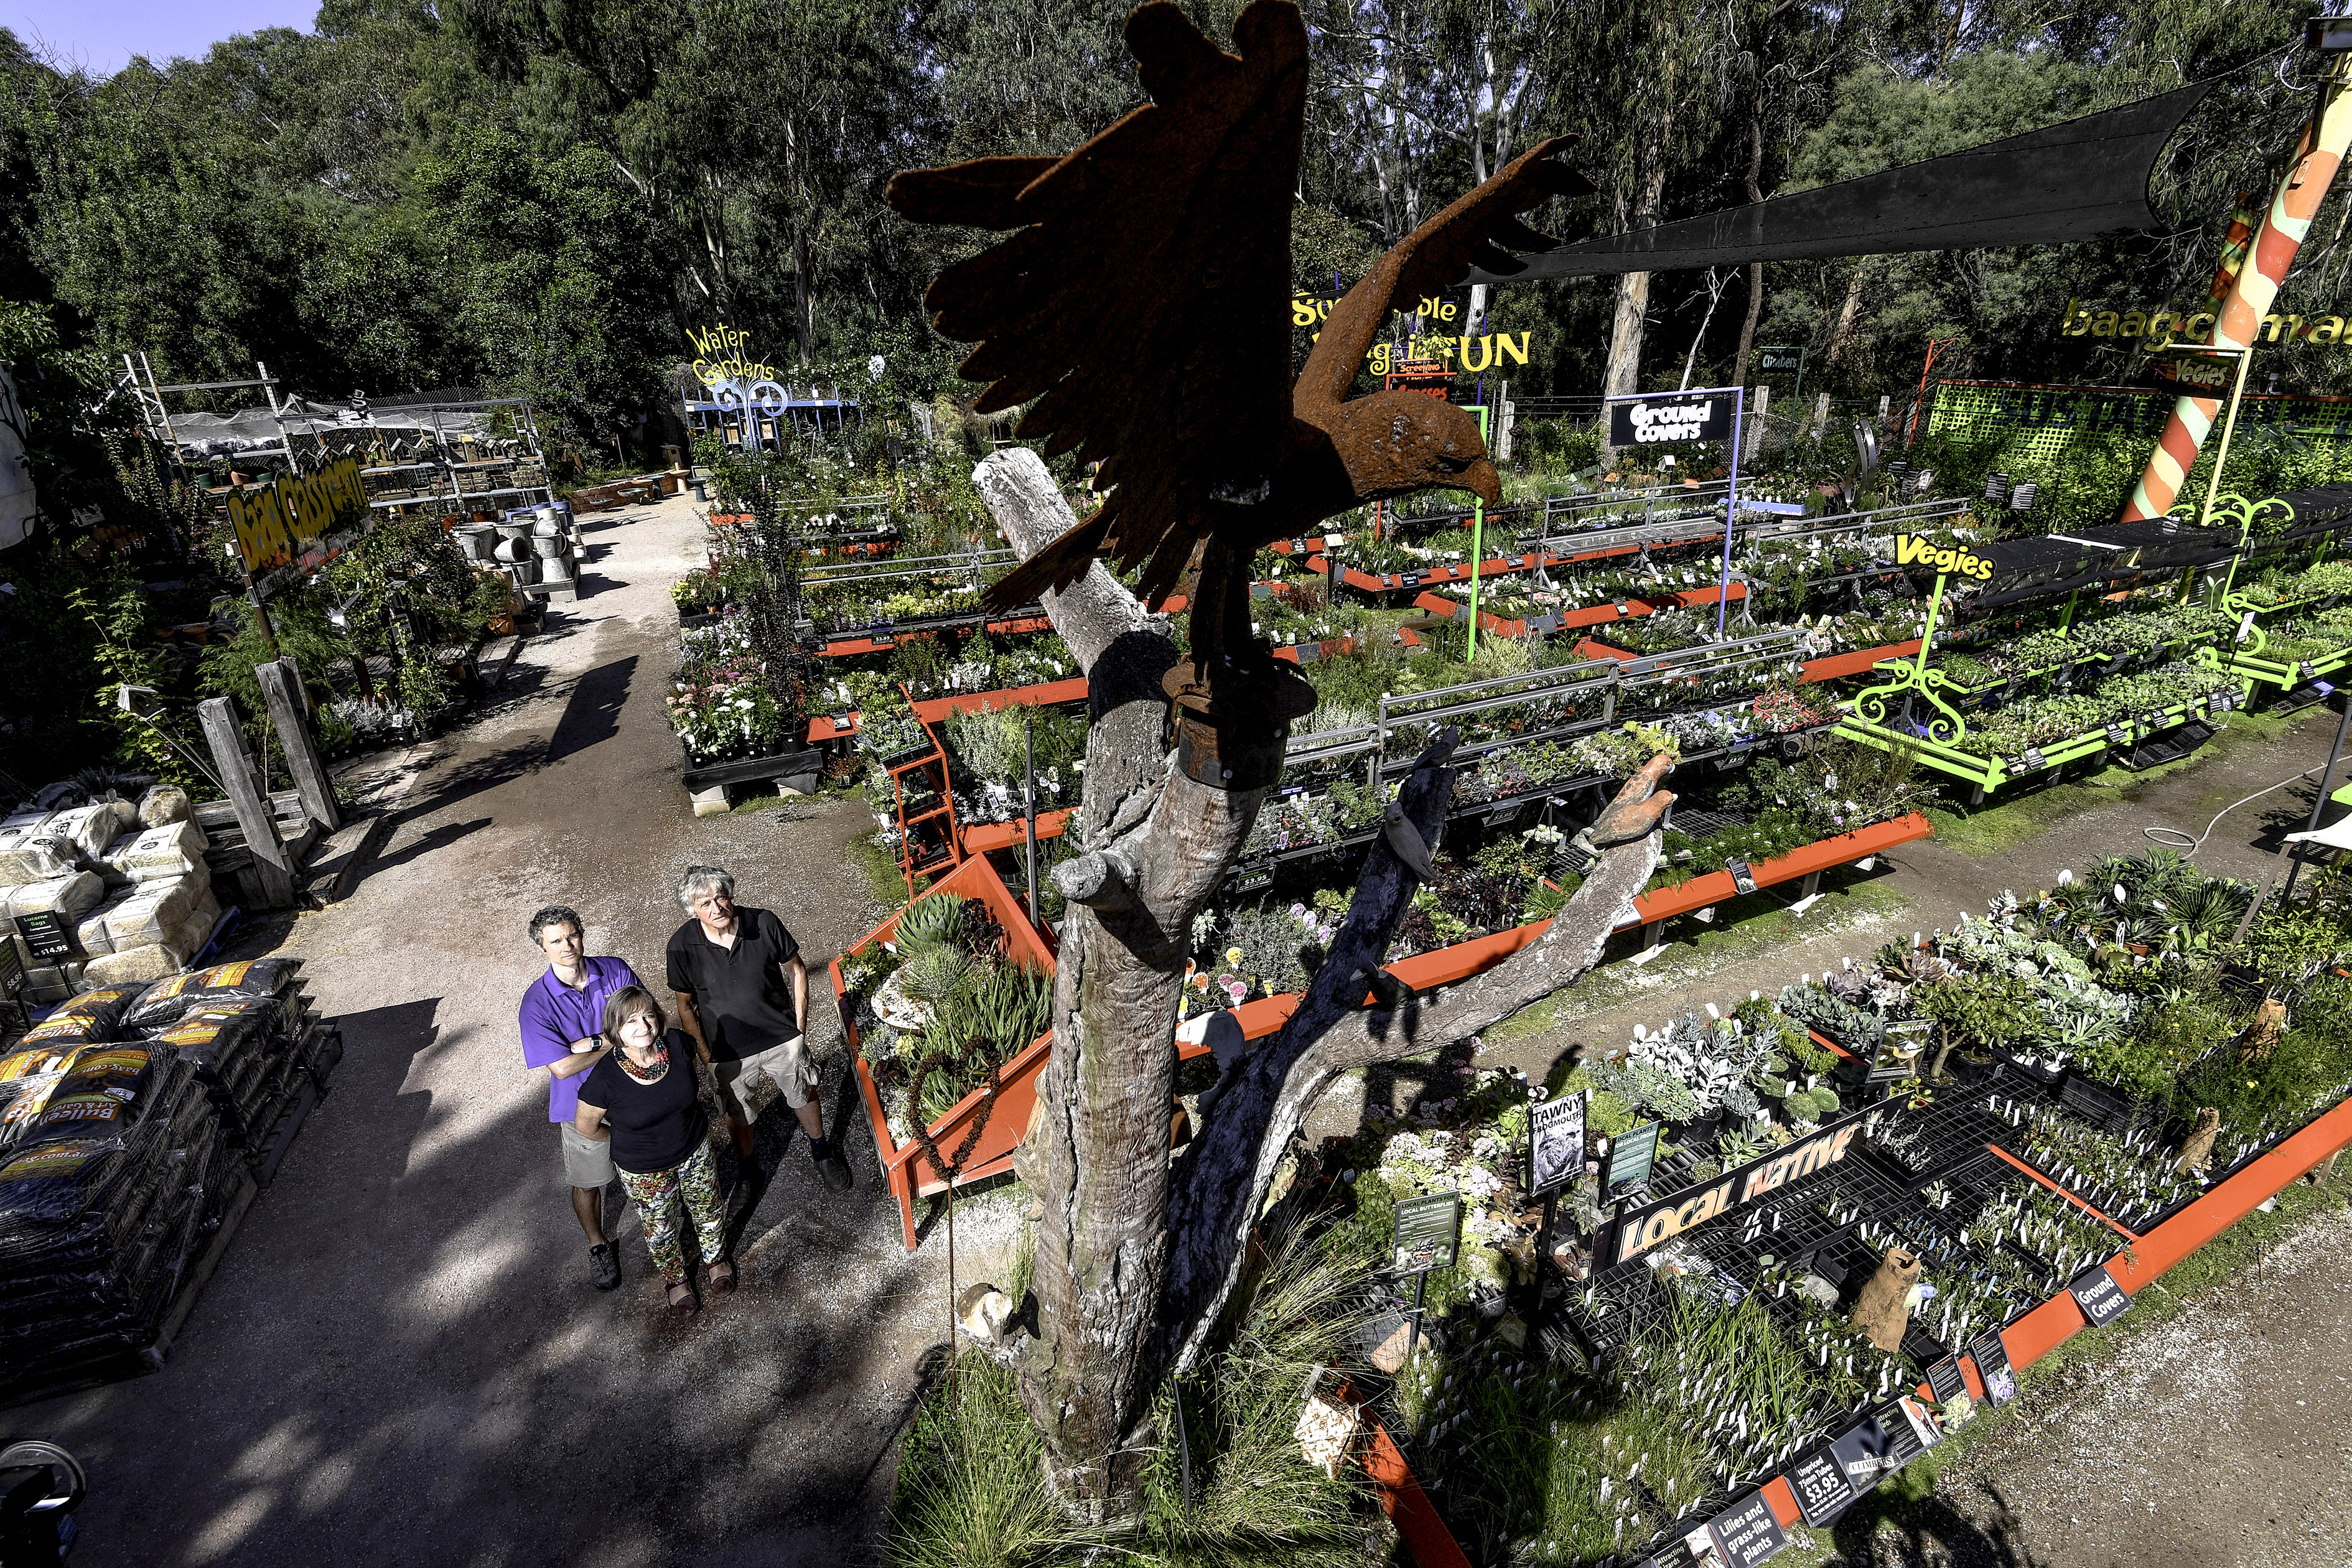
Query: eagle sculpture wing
(1144, 302)
(1480, 230)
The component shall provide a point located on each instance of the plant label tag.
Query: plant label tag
(2095, 1291)
(2308, 670)
(1428, 1230)
(2033, 758)
(1692, 1547)
(1993, 1370)
(1556, 1143)
(2245, 627)
(1945, 1380)
(1743, 875)
(1630, 1157)
(1820, 1488)
(2156, 719)
(2218, 702)
(2115, 736)
(1748, 1533)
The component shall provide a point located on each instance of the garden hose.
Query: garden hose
(2189, 846)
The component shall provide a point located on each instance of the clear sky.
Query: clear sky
(102, 35)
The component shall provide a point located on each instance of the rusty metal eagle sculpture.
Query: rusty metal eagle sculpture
(1144, 303)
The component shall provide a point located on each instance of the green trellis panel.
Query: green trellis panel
(2044, 421)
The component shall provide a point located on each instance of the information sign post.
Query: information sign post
(1645, 420)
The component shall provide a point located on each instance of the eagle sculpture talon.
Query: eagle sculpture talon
(1634, 814)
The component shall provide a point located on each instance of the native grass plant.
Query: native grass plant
(991, 750)
(970, 1491)
(2130, 1178)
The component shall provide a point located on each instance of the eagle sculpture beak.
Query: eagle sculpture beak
(1481, 480)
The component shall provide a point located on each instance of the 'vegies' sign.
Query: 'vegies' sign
(1670, 417)
(1645, 1228)
(1918, 550)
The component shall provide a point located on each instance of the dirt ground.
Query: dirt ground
(400, 1360)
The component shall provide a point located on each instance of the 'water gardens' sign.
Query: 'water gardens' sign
(1656, 1224)
(1670, 417)
(723, 353)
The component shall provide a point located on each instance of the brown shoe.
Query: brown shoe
(721, 1283)
(681, 1298)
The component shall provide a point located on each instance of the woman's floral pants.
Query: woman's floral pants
(657, 1196)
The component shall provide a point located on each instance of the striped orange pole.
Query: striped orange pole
(2256, 286)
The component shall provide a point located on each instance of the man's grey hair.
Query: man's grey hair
(554, 915)
(700, 881)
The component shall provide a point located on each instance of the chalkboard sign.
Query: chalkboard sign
(1993, 1370)
(1743, 875)
(1630, 1157)
(1819, 1484)
(1427, 1232)
(46, 935)
(1556, 1143)
(1944, 1378)
(2095, 1291)
(1748, 1533)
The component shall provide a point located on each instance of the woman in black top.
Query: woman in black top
(642, 1098)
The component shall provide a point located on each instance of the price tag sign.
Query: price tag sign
(2033, 758)
(2095, 1291)
(46, 935)
(1428, 1230)
(2308, 670)
(1820, 1488)
(2219, 702)
(1743, 875)
(1556, 1143)
(1746, 1533)
(1694, 1547)
(1630, 1157)
(2115, 736)
(2000, 1379)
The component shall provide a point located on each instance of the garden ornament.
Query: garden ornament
(1406, 839)
(1142, 308)
(2258, 1039)
(1883, 1309)
(2197, 1149)
(1634, 814)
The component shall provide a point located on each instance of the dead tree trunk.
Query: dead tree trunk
(1130, 1266)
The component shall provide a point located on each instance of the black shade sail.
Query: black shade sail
(2096, 557)
(2074, 180)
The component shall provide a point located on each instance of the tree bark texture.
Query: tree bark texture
(1755, 268)
(1131, 1268)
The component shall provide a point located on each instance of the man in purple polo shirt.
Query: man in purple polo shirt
(562, 1023)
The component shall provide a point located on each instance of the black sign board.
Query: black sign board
(46, 935)
(1748, 1533)
(1945, 1380)
(2095, 1291)
(1661, 418)
(2117, 737)
(2033, 757)
(1993, 1370)
(1822, 1493)
(1630, 1157)
(1864, 1455)
(1743, 875)
(1428, 1229)
(1692, 1547)
(1556, 1143)
(1645, 1227)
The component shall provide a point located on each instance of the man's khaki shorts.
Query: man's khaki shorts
(785, 1066)
(587, 1161)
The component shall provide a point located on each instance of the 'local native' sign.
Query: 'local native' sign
(1645, 1228)
(1670, 417)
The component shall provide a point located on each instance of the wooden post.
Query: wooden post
(281, 688)
(271, 869)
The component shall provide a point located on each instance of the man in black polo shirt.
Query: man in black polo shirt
(742, 993)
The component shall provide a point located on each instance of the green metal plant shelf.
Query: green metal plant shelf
(1991, 774)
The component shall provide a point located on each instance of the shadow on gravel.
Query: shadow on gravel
(594, 712)
(1933, 1534)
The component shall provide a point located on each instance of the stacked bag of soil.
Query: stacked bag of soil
(105, 892)
(126, 1118)
(114, 1166)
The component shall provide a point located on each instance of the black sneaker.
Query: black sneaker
(604, 1265)
(833, 1168)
